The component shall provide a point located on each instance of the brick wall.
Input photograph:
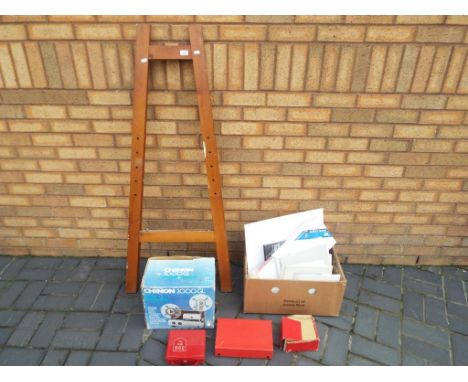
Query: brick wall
(364, 116)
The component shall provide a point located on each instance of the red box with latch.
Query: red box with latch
(241, 338)
(186, 347)
(299, 333)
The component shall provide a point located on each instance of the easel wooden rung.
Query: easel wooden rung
(195, 52)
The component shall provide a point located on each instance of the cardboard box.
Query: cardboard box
(294, 296)
(179, 292)
(282, 296)
(299, 333)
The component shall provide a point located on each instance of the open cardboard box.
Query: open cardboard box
(279, 296)
(294, 296)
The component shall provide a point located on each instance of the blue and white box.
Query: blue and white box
(179, 293)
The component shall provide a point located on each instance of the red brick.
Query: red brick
(283, 156)
(289, 99)
(282, 181)
(348, 143)
(50, 31)
(301, 194)
(285, 128)
(417, 196)
(309, 114)
(291, 33)
(244, 99)
(98, 32)
(342, 170)
(341, 33)
(390, 33)
(264, 114)
(12, 32)
(306, 143)
(243, 32)
(324, 157)
(384, 171)
(263, 142)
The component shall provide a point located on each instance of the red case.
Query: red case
(186, 347)
(299, 333)
(244, 338)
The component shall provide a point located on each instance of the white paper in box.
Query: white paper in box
(275, 230)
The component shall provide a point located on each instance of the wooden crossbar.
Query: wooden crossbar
(163, 52)
(195, 52)
(184, 236)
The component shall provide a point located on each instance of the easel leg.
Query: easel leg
(211, 160)
(140, 98)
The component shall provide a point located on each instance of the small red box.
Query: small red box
(244, 338)
(299, 333)
(186, 347)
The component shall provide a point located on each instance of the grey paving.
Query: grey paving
(29, 295)
(388, 330)
(435, 312)
(375, 351)
(337, 349)
(153, 352)
(355, 360)
(46, 332)
(78, 358)
(113, 359)
(55, 358)
(75, 339)
(74, 311)
(12, 268)
(10, 293)
(26, 329)
(424, 350)
(20, 356)
(85, 320)
(366, 321)
(430, 334)
(413, 305)
(133, 335)
(460, 349)
(5, 333)
(112, 333)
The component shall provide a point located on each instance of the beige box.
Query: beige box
(293, 296)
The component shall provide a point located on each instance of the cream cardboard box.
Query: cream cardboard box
(279, 296)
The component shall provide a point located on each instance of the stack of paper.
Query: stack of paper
(300, 252)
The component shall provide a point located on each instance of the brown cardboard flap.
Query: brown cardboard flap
(307, 327)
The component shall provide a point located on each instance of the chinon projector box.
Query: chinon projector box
(179, 293)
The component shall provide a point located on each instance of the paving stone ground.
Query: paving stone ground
(74, 311)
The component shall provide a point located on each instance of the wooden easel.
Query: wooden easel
(195, 52)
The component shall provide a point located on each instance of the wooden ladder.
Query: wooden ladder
(195, 52)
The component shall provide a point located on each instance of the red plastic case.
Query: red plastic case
(186, 347)
(244, 338)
